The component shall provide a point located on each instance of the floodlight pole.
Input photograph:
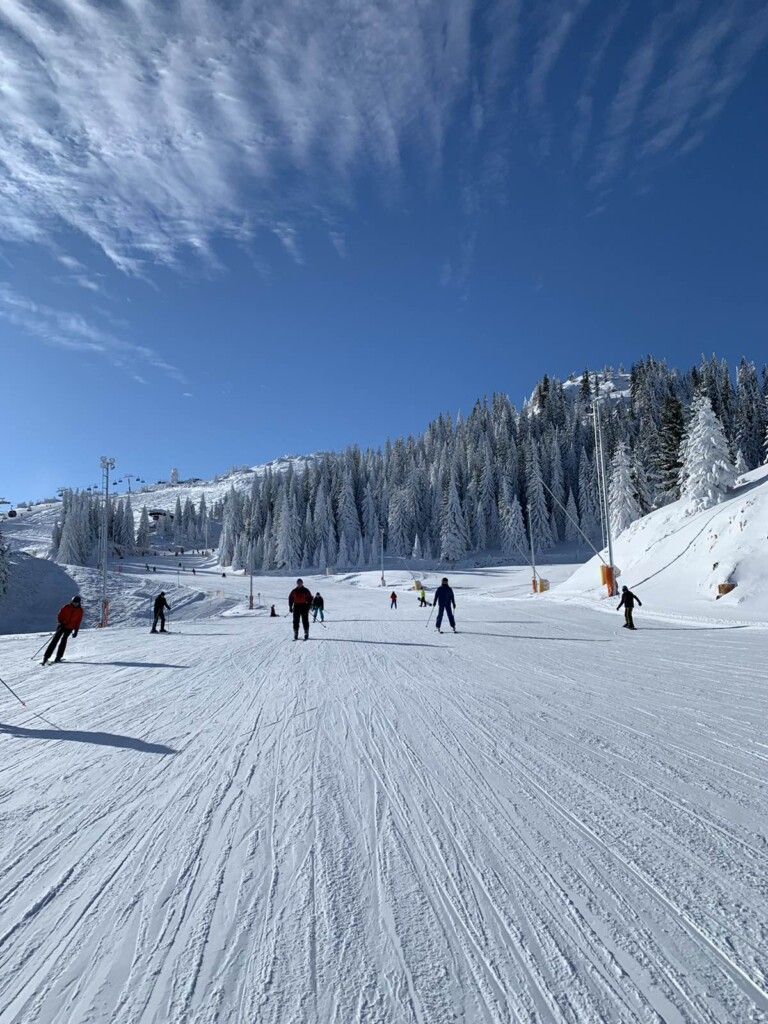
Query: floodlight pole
(106, 465)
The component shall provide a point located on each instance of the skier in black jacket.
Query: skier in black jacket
(318, 607)
(159, 609)
(445, 602)
(627, 602)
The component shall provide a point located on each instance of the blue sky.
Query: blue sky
(232, 230)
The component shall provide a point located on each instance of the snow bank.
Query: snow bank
(676, 560)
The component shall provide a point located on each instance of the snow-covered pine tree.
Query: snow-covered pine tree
(667, 463)
(513, 541)
(129, 527)
(572, 535)
(453, 530)
(707, 473)
(538, 513)
(178, 522)
(143, 541)
(623, 507)
(740, 465)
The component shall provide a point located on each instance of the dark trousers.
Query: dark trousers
(628, 620)
(60, 637)
(159, 617)
(447, 609)
(301, 615)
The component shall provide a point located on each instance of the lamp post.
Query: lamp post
(106, 465)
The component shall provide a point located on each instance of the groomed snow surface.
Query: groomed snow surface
(544, 818)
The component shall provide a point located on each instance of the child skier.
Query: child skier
(393, 601)
(318, 607)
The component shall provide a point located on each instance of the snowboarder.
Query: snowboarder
(422, 598)
(69, 618)
(318, 607)
(299, 603)
(445, 602)
(159, 611)
(272, 613)
(627, 602)
(393, 601)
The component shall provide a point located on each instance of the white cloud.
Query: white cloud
(153, 128)
(71, 331)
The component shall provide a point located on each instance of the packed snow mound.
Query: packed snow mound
(676, 561)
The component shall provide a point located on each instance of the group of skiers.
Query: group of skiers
(300, 602)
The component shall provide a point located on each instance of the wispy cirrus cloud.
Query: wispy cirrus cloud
(154, 128)
(74, 332)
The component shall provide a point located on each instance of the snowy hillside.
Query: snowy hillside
(31, 530)
(676, 561)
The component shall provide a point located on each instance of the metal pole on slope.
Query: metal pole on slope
(107, 464)
(533, 555)
(609, 539)
(383, 581)
(597, 473)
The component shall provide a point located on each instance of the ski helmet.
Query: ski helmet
(76, 599)
(299, 583)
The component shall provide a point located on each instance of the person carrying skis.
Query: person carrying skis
(445, 602)
(627, 602)
(69, 619)
(299, 603)
(159, 611)
(422, 598)
(393, 601)
(318, 607)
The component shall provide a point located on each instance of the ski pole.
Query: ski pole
(39, 649)
(8, 688)
(430, 617)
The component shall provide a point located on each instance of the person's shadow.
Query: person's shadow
(101, 739)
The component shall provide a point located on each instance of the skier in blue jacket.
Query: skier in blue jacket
(445, 602)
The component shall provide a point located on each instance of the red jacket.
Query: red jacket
(299, 596)
(70, 617)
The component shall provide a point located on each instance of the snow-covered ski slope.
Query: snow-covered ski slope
(542, 819)
(676, 560)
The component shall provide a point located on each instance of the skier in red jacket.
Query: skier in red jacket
(299, 602)
(69, 619)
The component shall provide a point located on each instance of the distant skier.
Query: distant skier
(627, 602)
(445, 602)
(299, 603)
(159, 611)
(318, 607)
(422, 598)
(69, 618)
(272, 613)
(393, 601)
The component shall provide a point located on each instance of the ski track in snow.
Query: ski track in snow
(538, 820)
